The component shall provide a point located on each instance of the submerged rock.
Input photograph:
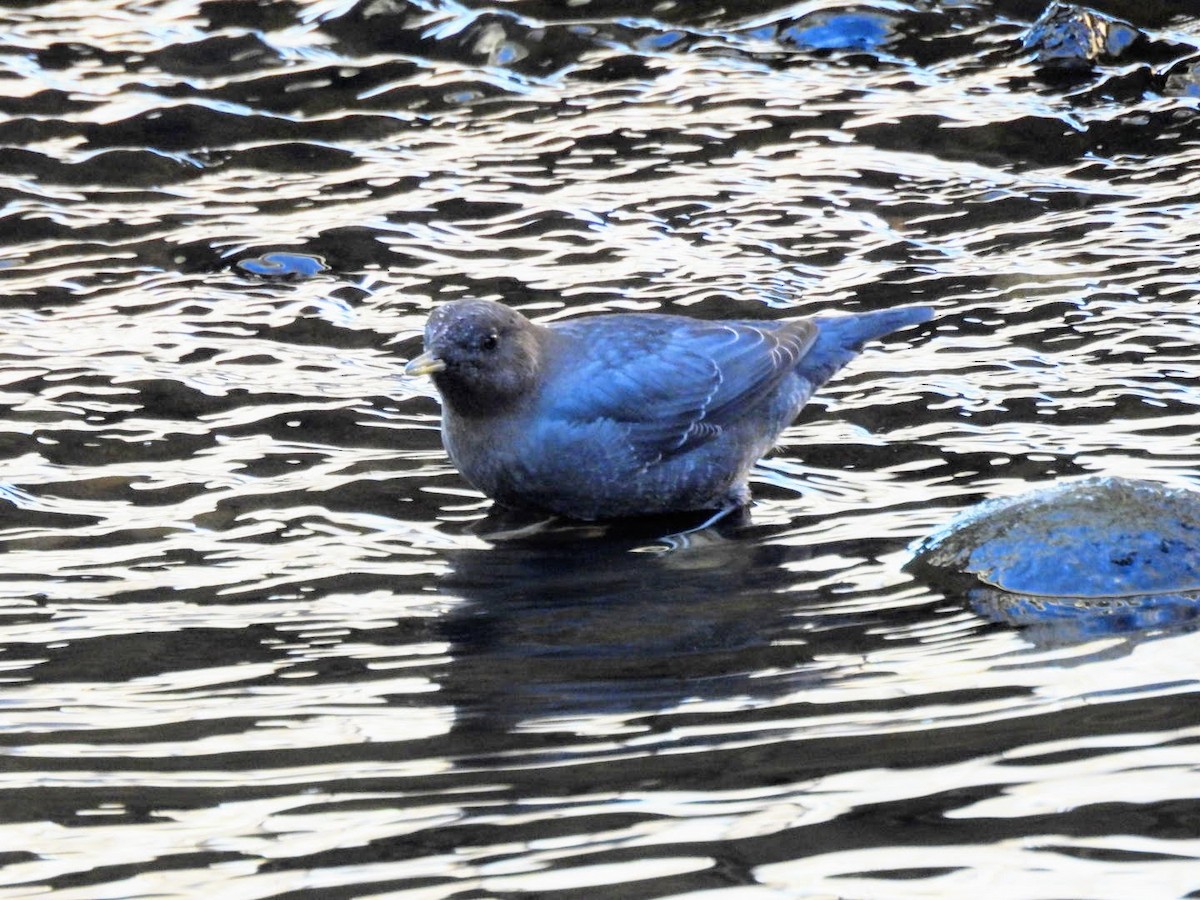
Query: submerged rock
(280, 264)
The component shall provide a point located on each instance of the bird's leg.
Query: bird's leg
(680, 539)
(716, 517)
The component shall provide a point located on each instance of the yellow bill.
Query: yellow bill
(425, 364)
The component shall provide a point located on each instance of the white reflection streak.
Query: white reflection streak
(245, 827)
(1027, 867)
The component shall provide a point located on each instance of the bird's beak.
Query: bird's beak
(425, 364)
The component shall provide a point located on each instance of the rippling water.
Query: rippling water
(261, 640)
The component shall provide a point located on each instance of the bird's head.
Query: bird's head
(483, 356)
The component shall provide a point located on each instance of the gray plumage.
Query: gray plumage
(627, 414)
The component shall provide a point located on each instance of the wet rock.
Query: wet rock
(924, 35)
(1110, 554)
(1097, 537)
(279, 264)
(860, 29)
(1074, 37)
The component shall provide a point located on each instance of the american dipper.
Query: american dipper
(627, 414)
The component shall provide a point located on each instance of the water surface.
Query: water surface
(261, 640)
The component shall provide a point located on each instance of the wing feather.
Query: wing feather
(674, 384)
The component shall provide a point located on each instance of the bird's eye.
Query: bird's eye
(489, 342)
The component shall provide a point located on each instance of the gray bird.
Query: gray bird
(627, 414)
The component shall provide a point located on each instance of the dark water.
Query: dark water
(260, 641)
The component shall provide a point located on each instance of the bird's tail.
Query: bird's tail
(840, 338)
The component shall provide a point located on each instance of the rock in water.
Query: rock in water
(1097, 556)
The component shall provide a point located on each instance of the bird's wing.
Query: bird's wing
(673, 386)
